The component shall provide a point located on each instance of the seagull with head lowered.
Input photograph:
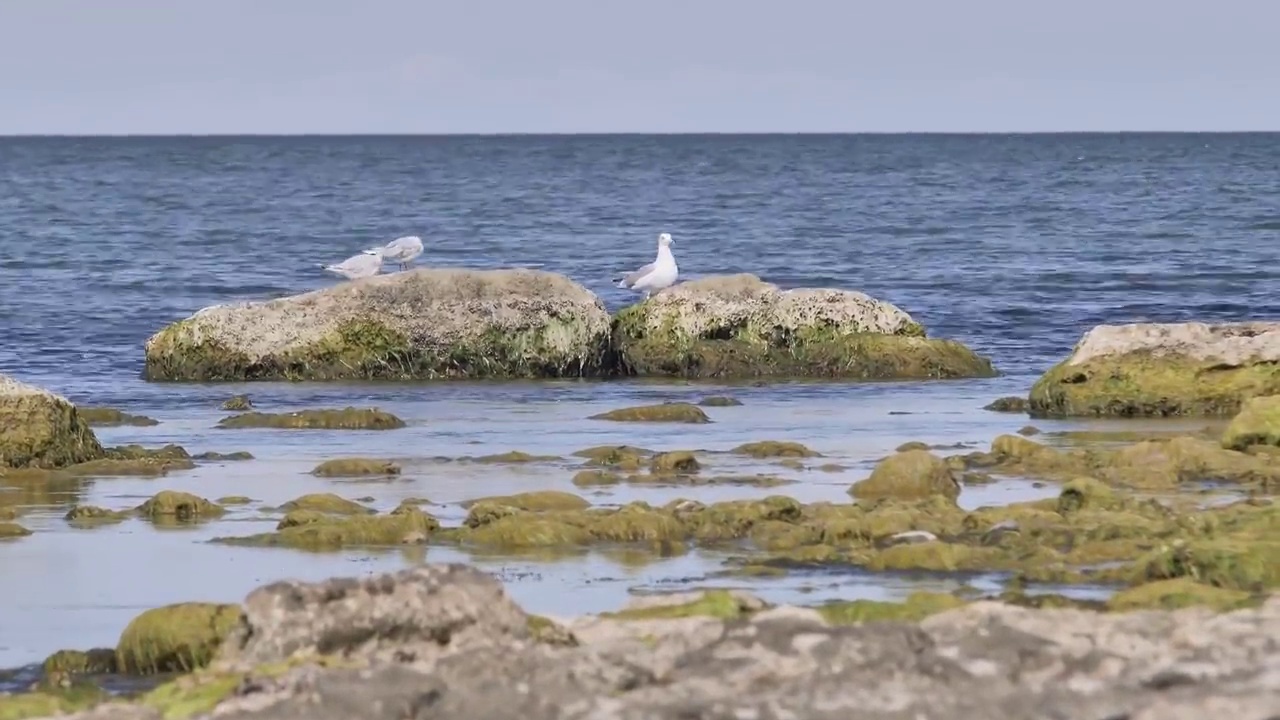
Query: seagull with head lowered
(366, 264)
(401, 250)
(657, 275)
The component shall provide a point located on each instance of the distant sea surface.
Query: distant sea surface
(1013, 244)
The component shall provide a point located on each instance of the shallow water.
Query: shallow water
(1013, 244)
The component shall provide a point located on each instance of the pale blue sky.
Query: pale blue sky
(448, 66)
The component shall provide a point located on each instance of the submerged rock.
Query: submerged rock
(355, 467)
(447, 641)
(238, 403)
(349, 418)
(1008, 404)
(719, 401)
(12, 530)
(327, 503)
(419, 324)
(1168, 369)
(179, 506)
(239, 455)
(775, 448)
(1257, 423)
(738, 325)
(666, 412)
(111, 417)
(39, 429)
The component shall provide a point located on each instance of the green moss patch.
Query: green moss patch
(349, 418)
(174, 638)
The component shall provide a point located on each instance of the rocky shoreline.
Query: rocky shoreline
(441, 641)
(432, 324)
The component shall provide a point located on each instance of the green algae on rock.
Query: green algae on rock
(1257, 423)
(676, 462)
(237, 456)
(617, 457)
(774, 448)
(740, 326)
(97, 661)
(909, 475)
(719, 401)
(355, 467)
(111, 417)
(513, 457)
(39, 429)
(1008, 404)
(349, 418)
(917, 606)
(419, 324)
(1177, 593)
(721, 604)
(174, 638)
(1172, 369)
(666, 412)
(87, 516)
(180, 507)
(327, 503)
(320, 532)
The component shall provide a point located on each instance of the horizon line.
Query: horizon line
(621, 133)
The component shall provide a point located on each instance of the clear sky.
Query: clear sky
(483, 66)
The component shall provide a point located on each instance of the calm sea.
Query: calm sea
(1013, 244)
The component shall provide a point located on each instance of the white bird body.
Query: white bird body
(657, 275)
(366, 264)
(402, 250)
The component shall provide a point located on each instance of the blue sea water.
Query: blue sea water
(1013, 244)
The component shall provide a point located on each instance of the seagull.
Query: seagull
(401, 250)
(657, 275)
(366, 264)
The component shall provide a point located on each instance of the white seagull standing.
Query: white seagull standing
(401, 250)
(366, 264)
(657, 275)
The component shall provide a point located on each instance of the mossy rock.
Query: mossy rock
(1257, 423)
(1177, 369)
(514, 457)
(720, 401)
(591, 478)
(355, 467)
(910, 475)
(92, 516)
(238, 456)
(227, 500)
(39, 429)
(98, 661)
(739, 326)
(1177, 593)
(1008, 404)
(666, 412)
(174, 638)
(420, 324)
(1231, 564)
(917, 606)
(677, 462)
(138, 452)
(482, 510)
(179, 506)
(719, 604)
(238, 403)
(323, 533)
(616, 457)
(327, 503)
(111, 417)
(775, 448)
(349, 418)
(12, 530)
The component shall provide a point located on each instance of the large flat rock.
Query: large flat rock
(741, 326)
(1165, 369)
(420, 324)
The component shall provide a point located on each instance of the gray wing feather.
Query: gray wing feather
(631, 278)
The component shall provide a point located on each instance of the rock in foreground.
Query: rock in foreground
(420, 324)
(39, 429)
(1162, 370)
(738, 325)
(444, 641)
